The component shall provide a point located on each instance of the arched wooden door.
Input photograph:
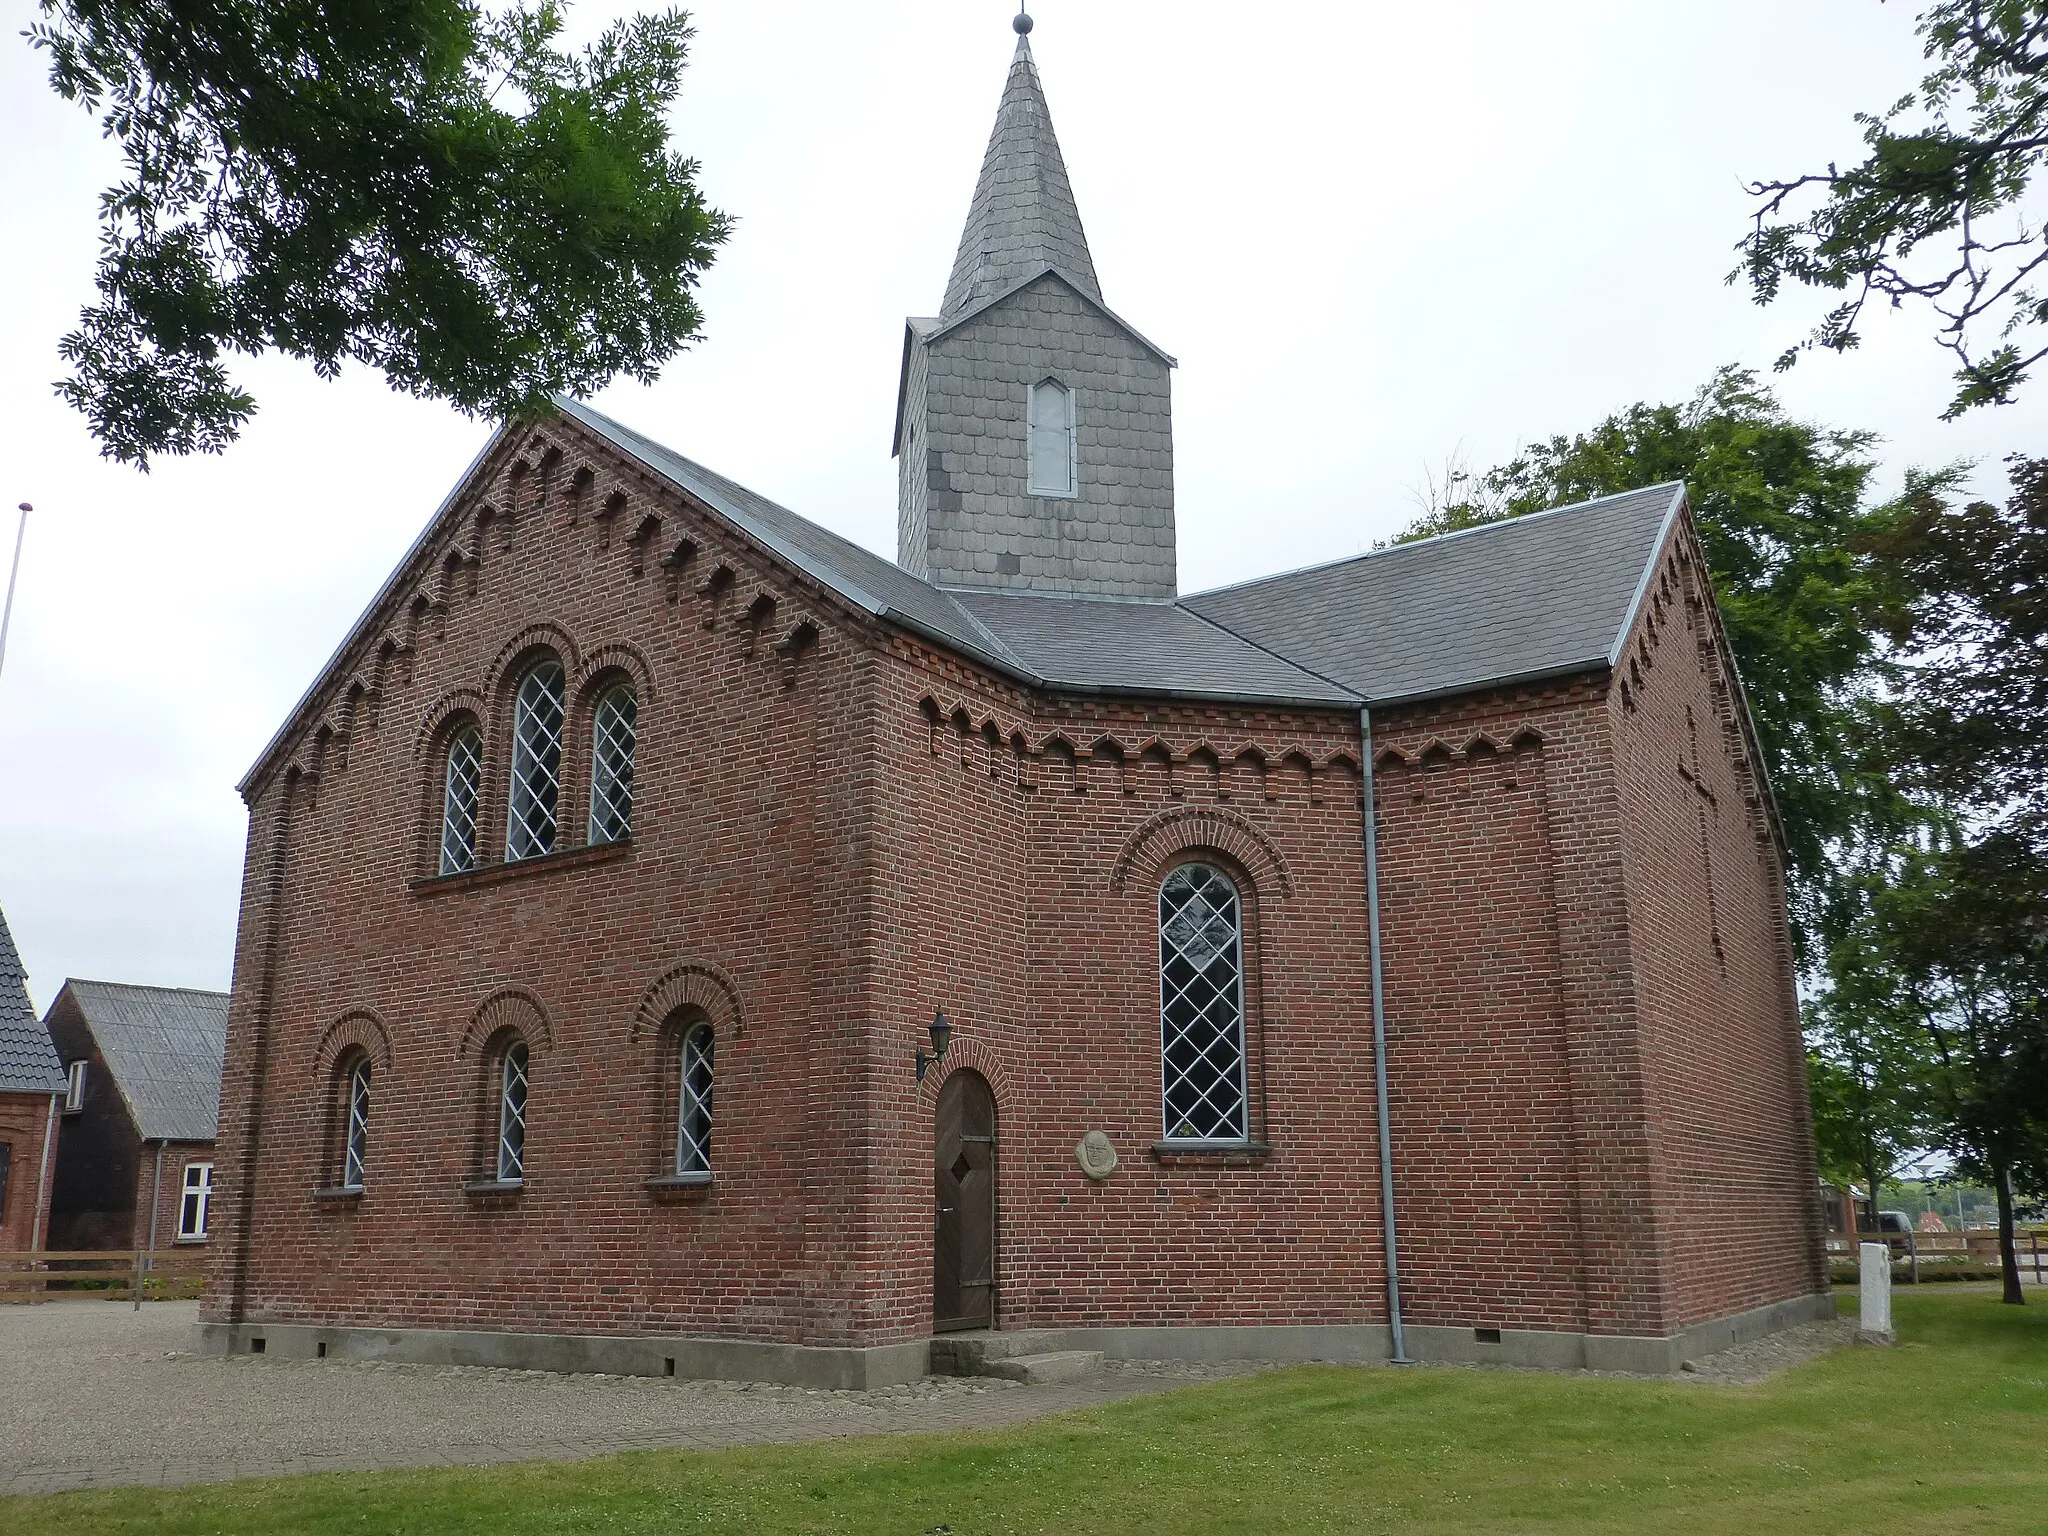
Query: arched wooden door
(964, 1238)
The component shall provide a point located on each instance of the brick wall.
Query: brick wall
(169, 1194)
(837, 830)
(24, 1118)
(1732, 1166)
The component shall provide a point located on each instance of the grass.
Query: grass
(1947, 1433)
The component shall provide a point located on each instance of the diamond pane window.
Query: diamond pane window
(512, 1115)
(536, 763)
(611, 767)
(693, 1124)
(459, 801)
(1201, 1005)
(357, 1147)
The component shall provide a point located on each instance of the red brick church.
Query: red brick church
(1385, 959)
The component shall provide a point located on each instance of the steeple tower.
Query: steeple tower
(1034, 435)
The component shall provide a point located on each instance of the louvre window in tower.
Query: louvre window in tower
(1052, 439)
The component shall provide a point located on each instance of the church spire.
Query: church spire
(1023, 218)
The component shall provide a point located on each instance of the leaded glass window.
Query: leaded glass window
(536, 763)
(693, 1123)
(459, 800)
(611, 766)
(1050, 471)
(1201, 1005)
(356, 1146)
(512, 1115)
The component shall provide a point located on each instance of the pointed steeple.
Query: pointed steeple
(1023, 218)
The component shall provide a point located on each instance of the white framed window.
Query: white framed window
(74, 1086)
(1201, 1005)
(611, 765)
(355, 1150)
(459, 797)
(1051, 470)
(512, 1115)
(693, 1120)
(536, 763)
(197, 1202)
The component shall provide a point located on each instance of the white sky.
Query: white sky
(1373, 235)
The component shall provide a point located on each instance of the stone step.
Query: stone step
(1057, 1365)
(967, 1354)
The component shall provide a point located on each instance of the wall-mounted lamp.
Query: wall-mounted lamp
(942, 1036)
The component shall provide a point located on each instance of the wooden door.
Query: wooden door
(964, 1238)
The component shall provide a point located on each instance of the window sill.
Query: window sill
(491, 874)
(672, 1186)
(1227, 1154)
(494, 1189)
(339, 1194)
(189, 1242)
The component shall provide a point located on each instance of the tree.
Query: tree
(1780, 506)
(1935, 212)
(420, 185)
(1968, 929)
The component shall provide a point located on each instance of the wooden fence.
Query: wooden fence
(111, 1274)
(1934, 1253)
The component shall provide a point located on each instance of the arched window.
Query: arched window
(611, 766)
(355, 1145)
(512, 1114)
(459, 800)
(693, 1121)
(1051, 471)
(536, 763)
(1201, 1005)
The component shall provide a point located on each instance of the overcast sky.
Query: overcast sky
(1375, 236)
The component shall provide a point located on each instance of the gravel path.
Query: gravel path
(93, 1394)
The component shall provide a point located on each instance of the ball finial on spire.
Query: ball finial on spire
(1021, 21)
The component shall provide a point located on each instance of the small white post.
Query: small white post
(1874, 1301)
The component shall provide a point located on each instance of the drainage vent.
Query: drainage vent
(322, 1347)
(255, 1346)
(1486, 1335)
(668, 1365)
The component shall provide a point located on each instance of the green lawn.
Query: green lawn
(1947, 1433)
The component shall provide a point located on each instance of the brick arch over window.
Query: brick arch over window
(457, 703)
(508, 1008)
(357, 1030)
(1148, 850)
(512, 658)
(693, 984)
(976, 1055)
(612, 663)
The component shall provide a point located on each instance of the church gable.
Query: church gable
(543, 509)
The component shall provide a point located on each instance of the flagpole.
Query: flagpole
(13, 571)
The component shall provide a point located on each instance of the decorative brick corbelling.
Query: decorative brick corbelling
(693, 984)
(1180, 828)
(507, 1008)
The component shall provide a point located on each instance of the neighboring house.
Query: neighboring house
(600, 893)
(135, 1148)
(31, 1088)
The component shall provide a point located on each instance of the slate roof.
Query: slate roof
(163, 1047)
(1534, 596)
(29, 1062)
(1023, 218)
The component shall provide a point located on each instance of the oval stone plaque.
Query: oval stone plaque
(1096, 1155)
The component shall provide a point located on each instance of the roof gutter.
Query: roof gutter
(1379, 1040)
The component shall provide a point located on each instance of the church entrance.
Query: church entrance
(964, 1238)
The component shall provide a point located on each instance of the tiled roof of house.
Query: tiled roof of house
(28, 1060)
(163, 1048)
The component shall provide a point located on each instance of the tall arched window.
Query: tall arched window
(536, 763)
(611, 766)
(693, 1121)
(459, 800)
(1201, 1005)
(1051, 471)
(355, 1148)
(512, 1114)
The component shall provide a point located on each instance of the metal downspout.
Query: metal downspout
(46, 1186)
(1379, 1041)
(156, 1202)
